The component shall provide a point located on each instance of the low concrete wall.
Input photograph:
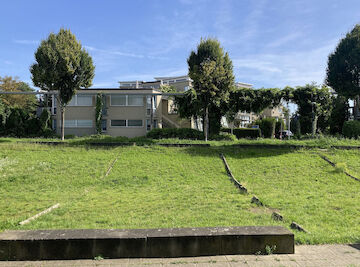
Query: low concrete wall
(143, 243)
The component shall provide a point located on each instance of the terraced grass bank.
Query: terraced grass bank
(160, 187)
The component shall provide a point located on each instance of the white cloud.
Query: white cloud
(284, 40)
(27, 42)
(281, 69)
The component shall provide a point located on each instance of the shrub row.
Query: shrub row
(244, 132)
(181, 133)
(351, 129)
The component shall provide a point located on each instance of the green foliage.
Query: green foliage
(166, 88)
(339, 114)
(254, 100)
(45, 119)
(244, 132)
(314, 103)
(279, 125)
(223, 137)
(181, 133)
(343, 73)
(26, 102)
(212, 73)
(98, 113)
(62, 65)
(267, 127)
(351, 129)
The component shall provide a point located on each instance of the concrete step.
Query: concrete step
(143, 243)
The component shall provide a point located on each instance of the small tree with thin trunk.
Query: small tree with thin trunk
(62, 65)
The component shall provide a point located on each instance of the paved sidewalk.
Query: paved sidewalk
(305, 255)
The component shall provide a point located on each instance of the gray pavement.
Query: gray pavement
(305, 255)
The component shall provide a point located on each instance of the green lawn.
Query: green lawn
(305, 189)
(147, 187)
(153, 186)
(348, 160)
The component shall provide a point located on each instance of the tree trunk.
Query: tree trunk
(314, 125)
(62, 123)
(356, 111)
(232, 127)
(206, 124)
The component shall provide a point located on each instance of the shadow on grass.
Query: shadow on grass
(356, 245)
(236, 152)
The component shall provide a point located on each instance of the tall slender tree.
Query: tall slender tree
(212, 73)
(63, 65)
(343, 71)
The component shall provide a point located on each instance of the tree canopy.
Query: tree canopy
(343, 71)
(212, 73)
(63, 65)
(10, 84)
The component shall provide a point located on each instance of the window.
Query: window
(72, 101)
(126, 123)
(137, 123)
(186, 88)
(70, 123)
(126, 100)
(84, 100)
(78, 124)
(119, 123)
(81, 100)
(118, 100)
(135, 100)
(84, 123)
(54, 124)
(103, 125)
(148, 125)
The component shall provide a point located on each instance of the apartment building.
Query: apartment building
(131, 110)
(126, 112)
(181, 83)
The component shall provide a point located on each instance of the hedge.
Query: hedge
(267, 127)
(351, 129)
(181, 133)
(244, 132)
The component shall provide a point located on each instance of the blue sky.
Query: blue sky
(272, 43)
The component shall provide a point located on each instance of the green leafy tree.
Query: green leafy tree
(26, 102)
(343, 71)
(166, 88)
(212, 73)
(313, 102)
(339, 114)
(63, 65)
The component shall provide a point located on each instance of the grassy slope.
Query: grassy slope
(348, 160)
(305, 189)
(147, 187)
(175, 187)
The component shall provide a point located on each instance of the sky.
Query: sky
(272, 43)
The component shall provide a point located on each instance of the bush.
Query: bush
(267, 127)
(223, 137)
(181, 133)
(351, 129)
(244, 132)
